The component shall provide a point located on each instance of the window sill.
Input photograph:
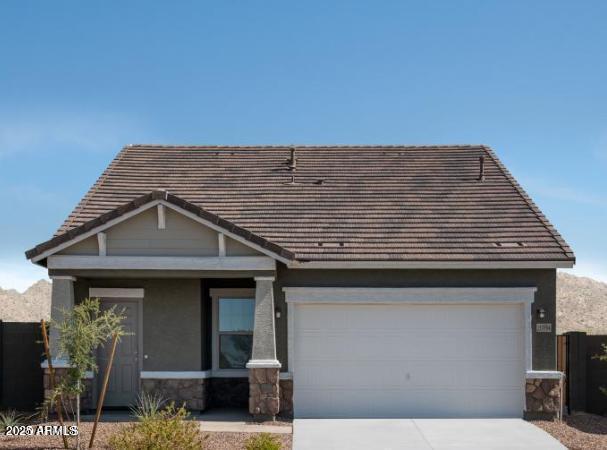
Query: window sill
(230, 373)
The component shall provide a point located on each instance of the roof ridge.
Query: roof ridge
(304, 146)
(541, 217)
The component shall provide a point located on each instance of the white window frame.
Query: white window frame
(217, 294)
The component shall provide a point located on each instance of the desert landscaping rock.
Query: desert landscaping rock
(578, 432)
(212, 440)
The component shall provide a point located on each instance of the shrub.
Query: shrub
(263, 441)
(9, 418)
(165, 429)
(147, 406)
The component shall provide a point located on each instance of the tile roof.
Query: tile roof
(342, 203)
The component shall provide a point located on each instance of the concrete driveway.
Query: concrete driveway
(422, 434)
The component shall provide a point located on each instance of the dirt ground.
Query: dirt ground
(214, 441)
(578, 432)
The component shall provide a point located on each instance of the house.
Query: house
(389, 281)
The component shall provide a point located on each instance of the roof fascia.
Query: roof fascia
(431, 265)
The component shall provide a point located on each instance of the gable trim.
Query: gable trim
(157, 199)
(77, 262)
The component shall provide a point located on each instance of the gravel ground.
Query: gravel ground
(578, 432)
(214, 441)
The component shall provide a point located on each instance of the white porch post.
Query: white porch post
(62, 298)
(263, 367)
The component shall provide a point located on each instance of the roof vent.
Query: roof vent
(293, 159)
(331, 244)
(481, 174)
(509, 244)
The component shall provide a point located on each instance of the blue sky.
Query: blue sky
(78, 80)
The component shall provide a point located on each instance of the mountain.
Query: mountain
(31, 306)
(581, 304)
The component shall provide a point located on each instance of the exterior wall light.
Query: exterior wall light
(541, 313)
(277, 313)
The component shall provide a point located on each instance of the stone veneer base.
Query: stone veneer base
(543, 398)
(269, 396)
(264, 392)
(192, 393)
(87, 400)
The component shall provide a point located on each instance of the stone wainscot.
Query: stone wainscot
(543, 395)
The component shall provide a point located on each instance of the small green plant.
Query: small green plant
(9, 418)
(168, 428)
(147, 406)
(263, 441)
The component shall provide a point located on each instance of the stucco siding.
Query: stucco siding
(88, 246)
(544, 344)
(177, 336)
(172, 325)
(235, 248)
(140, 235)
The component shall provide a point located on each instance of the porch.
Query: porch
(203, 341)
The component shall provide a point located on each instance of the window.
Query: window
(235, 318)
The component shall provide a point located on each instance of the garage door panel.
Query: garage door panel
(407, 403)
(411, 375)
(408, 360)
(400, 346)
(363, 317)
(406, 345)
(488, 374)
(392, 374)
(487, 344)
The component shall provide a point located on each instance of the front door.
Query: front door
(123, 385)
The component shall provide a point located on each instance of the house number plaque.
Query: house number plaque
(543, 327)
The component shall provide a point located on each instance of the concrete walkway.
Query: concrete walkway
(420, 434)
(237, 421)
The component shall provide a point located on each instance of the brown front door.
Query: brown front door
(123, 385)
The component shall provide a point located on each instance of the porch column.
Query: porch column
(62, 298)
(264, 368)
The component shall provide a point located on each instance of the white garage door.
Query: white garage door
(396, 360)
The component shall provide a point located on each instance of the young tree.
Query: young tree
(82, 331)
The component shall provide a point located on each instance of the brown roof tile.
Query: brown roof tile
(392, 203)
